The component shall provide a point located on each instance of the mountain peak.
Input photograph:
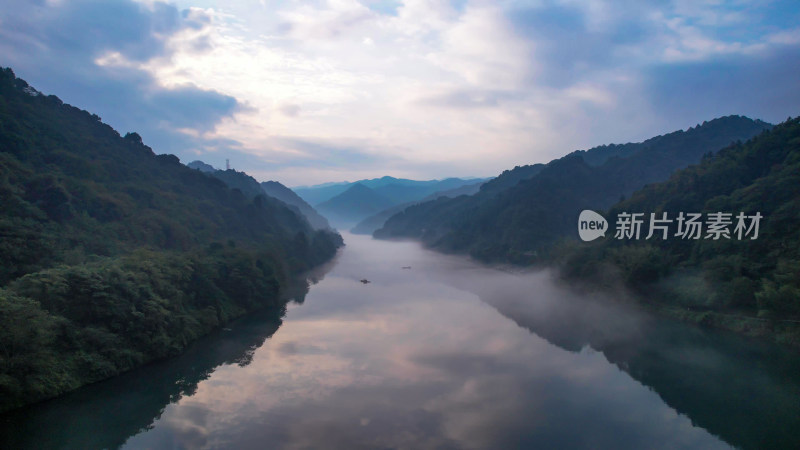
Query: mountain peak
(355, 203)
(201, 166)
(358, 187)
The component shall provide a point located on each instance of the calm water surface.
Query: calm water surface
(447, 354)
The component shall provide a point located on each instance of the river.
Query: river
(444, 353)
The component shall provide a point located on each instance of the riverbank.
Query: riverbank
(446, 354)
(784, 332)
(71, 326)
(607, 280)
(670, 303)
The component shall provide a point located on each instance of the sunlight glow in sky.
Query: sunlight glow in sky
(308, 92)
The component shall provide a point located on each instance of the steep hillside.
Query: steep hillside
(114, 256)
(716, 281)
(273, 190)
(251, 188)
(521, 222)
(240, 181)
(510, 178)
(286, 195)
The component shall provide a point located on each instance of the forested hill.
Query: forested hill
(718, 281)
(520, 222)
(286, 195)
(251, 188)
(113, 256)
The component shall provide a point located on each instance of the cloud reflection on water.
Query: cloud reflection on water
(410, 361)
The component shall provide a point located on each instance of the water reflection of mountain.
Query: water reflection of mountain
(106, 414)
(745, 392)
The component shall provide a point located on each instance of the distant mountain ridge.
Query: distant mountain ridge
(362, 199)
(521, 221)
(356, 202)
(376, 221)
(397, 189)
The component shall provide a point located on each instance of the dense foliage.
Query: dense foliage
(520, 223)
(113, 256)
(510, 178)
(273, 189)
(286, 195)
(730, 277)
(234, 179)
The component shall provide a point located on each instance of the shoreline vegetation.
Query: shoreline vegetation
(114, 257)
(783, 331)
(780, 331)
(751, 287)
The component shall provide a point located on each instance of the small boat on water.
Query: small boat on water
(365, 281)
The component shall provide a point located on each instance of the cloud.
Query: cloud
(481, 48)
(91, 54)
(290, 109)
(762, 85)
(308, 153)
(338, 19)
(291, 157)
(465, 98)
(83, 28)
(190, 107)
(571, 46)
(416, 88)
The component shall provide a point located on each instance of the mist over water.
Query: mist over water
(446, 354)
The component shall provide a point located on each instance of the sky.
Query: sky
(306, 92)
